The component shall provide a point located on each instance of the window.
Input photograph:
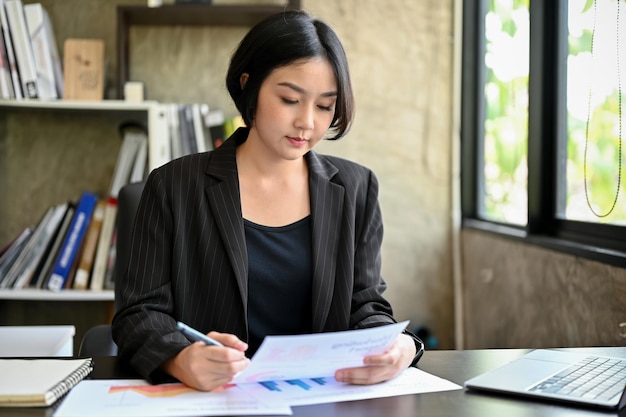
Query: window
(542, 120)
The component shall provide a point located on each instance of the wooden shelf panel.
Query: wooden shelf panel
(198, 15)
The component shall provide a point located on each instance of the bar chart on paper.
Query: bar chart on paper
(304, 391)
(303, 384)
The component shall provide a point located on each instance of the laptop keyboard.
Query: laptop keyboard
(593, 378)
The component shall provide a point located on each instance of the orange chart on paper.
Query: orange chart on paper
(154, 391)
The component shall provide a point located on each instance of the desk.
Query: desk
(456, 366)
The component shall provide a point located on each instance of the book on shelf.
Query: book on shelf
(173, 125)
(6, 84)
(188, 128)
(34, 281)
(43, 276)
(127, 155)
(109, 276)
(45, 52)
(72, 241)
(214, 120)
(22, 47)
(22, 261)
(81, 279)
(9, 245)
(41, 246)
(197, 123)
(10, 52)
(102, 250)
(39, 382)
(83, 69)
(12, 252)
(69, 282)
(140, 164)
(185, 123)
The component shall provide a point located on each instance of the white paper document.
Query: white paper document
(137, 398)
(312, 355)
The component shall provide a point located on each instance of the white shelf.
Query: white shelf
(64, 295)
(67, 105)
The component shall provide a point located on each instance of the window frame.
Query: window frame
(547, 137)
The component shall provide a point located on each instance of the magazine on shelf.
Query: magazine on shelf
(22, 47)
(10, 52)
(45, 52)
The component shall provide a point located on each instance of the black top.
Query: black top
(279, 280)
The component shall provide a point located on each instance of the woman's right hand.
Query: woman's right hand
(206, 368)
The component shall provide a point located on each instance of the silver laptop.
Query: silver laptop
(559, 375)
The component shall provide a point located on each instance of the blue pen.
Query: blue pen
(195, 335)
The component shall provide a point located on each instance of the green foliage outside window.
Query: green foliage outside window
(593, 103)
(506, 121)
(593, 125)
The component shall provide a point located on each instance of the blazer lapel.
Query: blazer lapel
(326, 212)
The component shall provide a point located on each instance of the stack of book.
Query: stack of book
(73, 244)
(194, 128)
(30, 66)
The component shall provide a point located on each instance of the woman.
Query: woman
(262, 235)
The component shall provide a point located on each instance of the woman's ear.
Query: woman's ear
(243, 79)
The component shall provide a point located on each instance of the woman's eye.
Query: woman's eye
(326, 108)
(287, 101)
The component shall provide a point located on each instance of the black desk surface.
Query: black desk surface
(453, 365)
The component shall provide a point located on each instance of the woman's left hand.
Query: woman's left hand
(380, 368)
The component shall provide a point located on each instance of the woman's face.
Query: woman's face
(295, 107)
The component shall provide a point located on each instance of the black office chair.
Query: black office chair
(98, 340)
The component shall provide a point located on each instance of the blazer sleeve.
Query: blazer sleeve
(143, 326)
(369, 308)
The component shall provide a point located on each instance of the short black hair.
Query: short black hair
(278, 41)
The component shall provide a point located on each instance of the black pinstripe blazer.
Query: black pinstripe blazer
(188, 257)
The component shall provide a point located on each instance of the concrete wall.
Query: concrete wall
(517, 295)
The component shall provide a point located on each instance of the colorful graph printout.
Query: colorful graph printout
(137, 398)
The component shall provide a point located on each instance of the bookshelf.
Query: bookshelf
(84, 137)
(99, 114)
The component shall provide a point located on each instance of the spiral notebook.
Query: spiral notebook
(39, 382)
